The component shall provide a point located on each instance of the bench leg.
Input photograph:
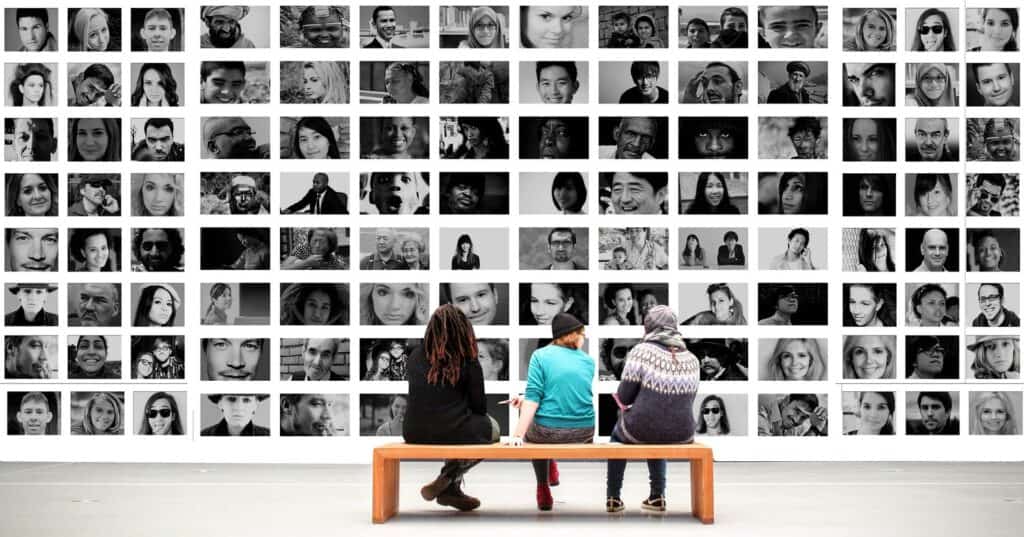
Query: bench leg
(385, 488)
(702, 489)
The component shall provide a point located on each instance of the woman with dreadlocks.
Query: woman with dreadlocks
(446, 401)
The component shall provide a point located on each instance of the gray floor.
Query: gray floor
(753, 499)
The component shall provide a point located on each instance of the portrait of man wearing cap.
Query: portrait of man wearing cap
(1000, 139)
(245, 197)
(157, 142)
(792, 92)
(231, 138)
(223, 29)
(31, 309)
(237, 413)
(324, 27)
(94, 198)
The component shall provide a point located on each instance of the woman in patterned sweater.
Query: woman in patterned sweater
(659, 382)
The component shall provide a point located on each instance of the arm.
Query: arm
(306, 201)
(526, 413)
(739, 255)
(632, 378)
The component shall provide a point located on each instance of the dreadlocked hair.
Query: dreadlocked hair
(448, 341)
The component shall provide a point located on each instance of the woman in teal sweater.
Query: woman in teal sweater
(558, 406)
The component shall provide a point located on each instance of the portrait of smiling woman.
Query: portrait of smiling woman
(32, 194)
(553, 26)
(161, 414)
(94, 139)
(870, 413)
(869, 357)
(157, 305)
(794, 359)
(540, 302)
(315, 138)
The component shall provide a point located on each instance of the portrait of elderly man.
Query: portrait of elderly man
(324, 27)
(231, 138)
(35, 139)
(31, 311)
(792, 92)
(931, 141)
(28, 357)
(245, 197)
(318, 360)
(634, 138)
(317, 253)
(237, 414)
(384, 257)
(157, 143)
(934, 251)
(222, 27)
(307, 414)
(94, 304)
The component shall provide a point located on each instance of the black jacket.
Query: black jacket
(221, 429)
(442, 413)
(331, 203)
(43, 318)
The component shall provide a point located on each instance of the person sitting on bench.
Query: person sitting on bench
(557, 407)
(447, 403)
(659, 382)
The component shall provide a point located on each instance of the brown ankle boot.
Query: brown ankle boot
(432, 490)
(454, 497)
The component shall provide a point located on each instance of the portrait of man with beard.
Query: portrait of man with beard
(311, 414)
(720, 359)
(930, 140)
(713, 83)
(157, 250)
(223, 29)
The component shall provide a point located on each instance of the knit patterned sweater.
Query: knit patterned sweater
(660, 385)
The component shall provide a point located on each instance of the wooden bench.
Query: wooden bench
(387, 457)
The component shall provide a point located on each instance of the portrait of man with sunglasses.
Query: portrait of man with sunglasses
(157, 250)
(984, 197)
(96, 197)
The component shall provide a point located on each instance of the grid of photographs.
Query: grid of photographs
(307, 183)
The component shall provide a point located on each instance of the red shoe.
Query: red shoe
(553, 474)
(544, 499)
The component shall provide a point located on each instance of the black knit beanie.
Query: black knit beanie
(564, 323)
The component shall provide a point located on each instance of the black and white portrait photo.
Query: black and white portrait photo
(232, 414)
(713, 82)
(554, 82)
(993, 139)
(869, 357)
(932, 250)
(713, 192)
(559, 248)
(94, 139)
(31, 84)
(475, 82)
(793, 359)
(31, 357)
(485, 304)
(612, 354)
(867, 139)
(467, 193)
(869, 29)
(402, 137)
(721, 359)
(793, 137)
(792, 193)
(315, 359)
(314, 414)
(31, 304)
(932, 357)
(869, 194)
(95, 250)
(474, 27)
(784, 304)
(869, 250)
(234, 82)
(869, 413)
(94, 30)
(89, 194)
(790, 26)
(993, 250)
(553, 137)
(316, 26)
(234, 359)
(869, 84)
(933, 413)
(931, 194)
(721, 414)
(157, 304)
(932, 304)
(237, 26)
(314, 82)
(385, 359)
(98, 413)
(993, 194)
(713, 248)
(32, 194)
(315, 248)
(475, 248)
(633, 248)
(713, 138)
(227, 137)
(714, 304)
(568, 193)
(633, 27)
(160, 413)
(34, 139)
(33, 413)
(992, 304)
(241, 248)
(234, 304)
(394, 82)
(996, 413)
(540, 302)
(393, 304)
(157, 139)
(713, 27)
(994, 356)
(304, 193)
(382, 414)
(158, 84)
(622, 305)
(32, 29)
(633, 193)
(793, 82)
(934, 84)
(632, 138)
(157, 29)
(314, 304)
(94, 304)
(992, 29)
(637, 82)
(158, 357)
(469, 137)
(547, 26)
(315, 137)
(871, 305)
(394, 193)
(386, 248)
(792, 414)
(31, 249)
(227, 193)
(400, 26)
(931, 139)
(993, 84)
(795, 248)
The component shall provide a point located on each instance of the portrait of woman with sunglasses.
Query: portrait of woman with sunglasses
(160, 416)
(932, 32)
(713, 419)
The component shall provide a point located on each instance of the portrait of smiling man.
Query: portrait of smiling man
(636, 192)
(994, 85)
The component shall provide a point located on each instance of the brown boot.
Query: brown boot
(454, 497)
(435, 488)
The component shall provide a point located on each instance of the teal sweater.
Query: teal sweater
(560, 380)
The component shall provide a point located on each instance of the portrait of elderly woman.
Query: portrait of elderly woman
(315, 248)
(995, 357)
(314, 304)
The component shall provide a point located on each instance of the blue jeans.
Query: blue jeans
(656, 469)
